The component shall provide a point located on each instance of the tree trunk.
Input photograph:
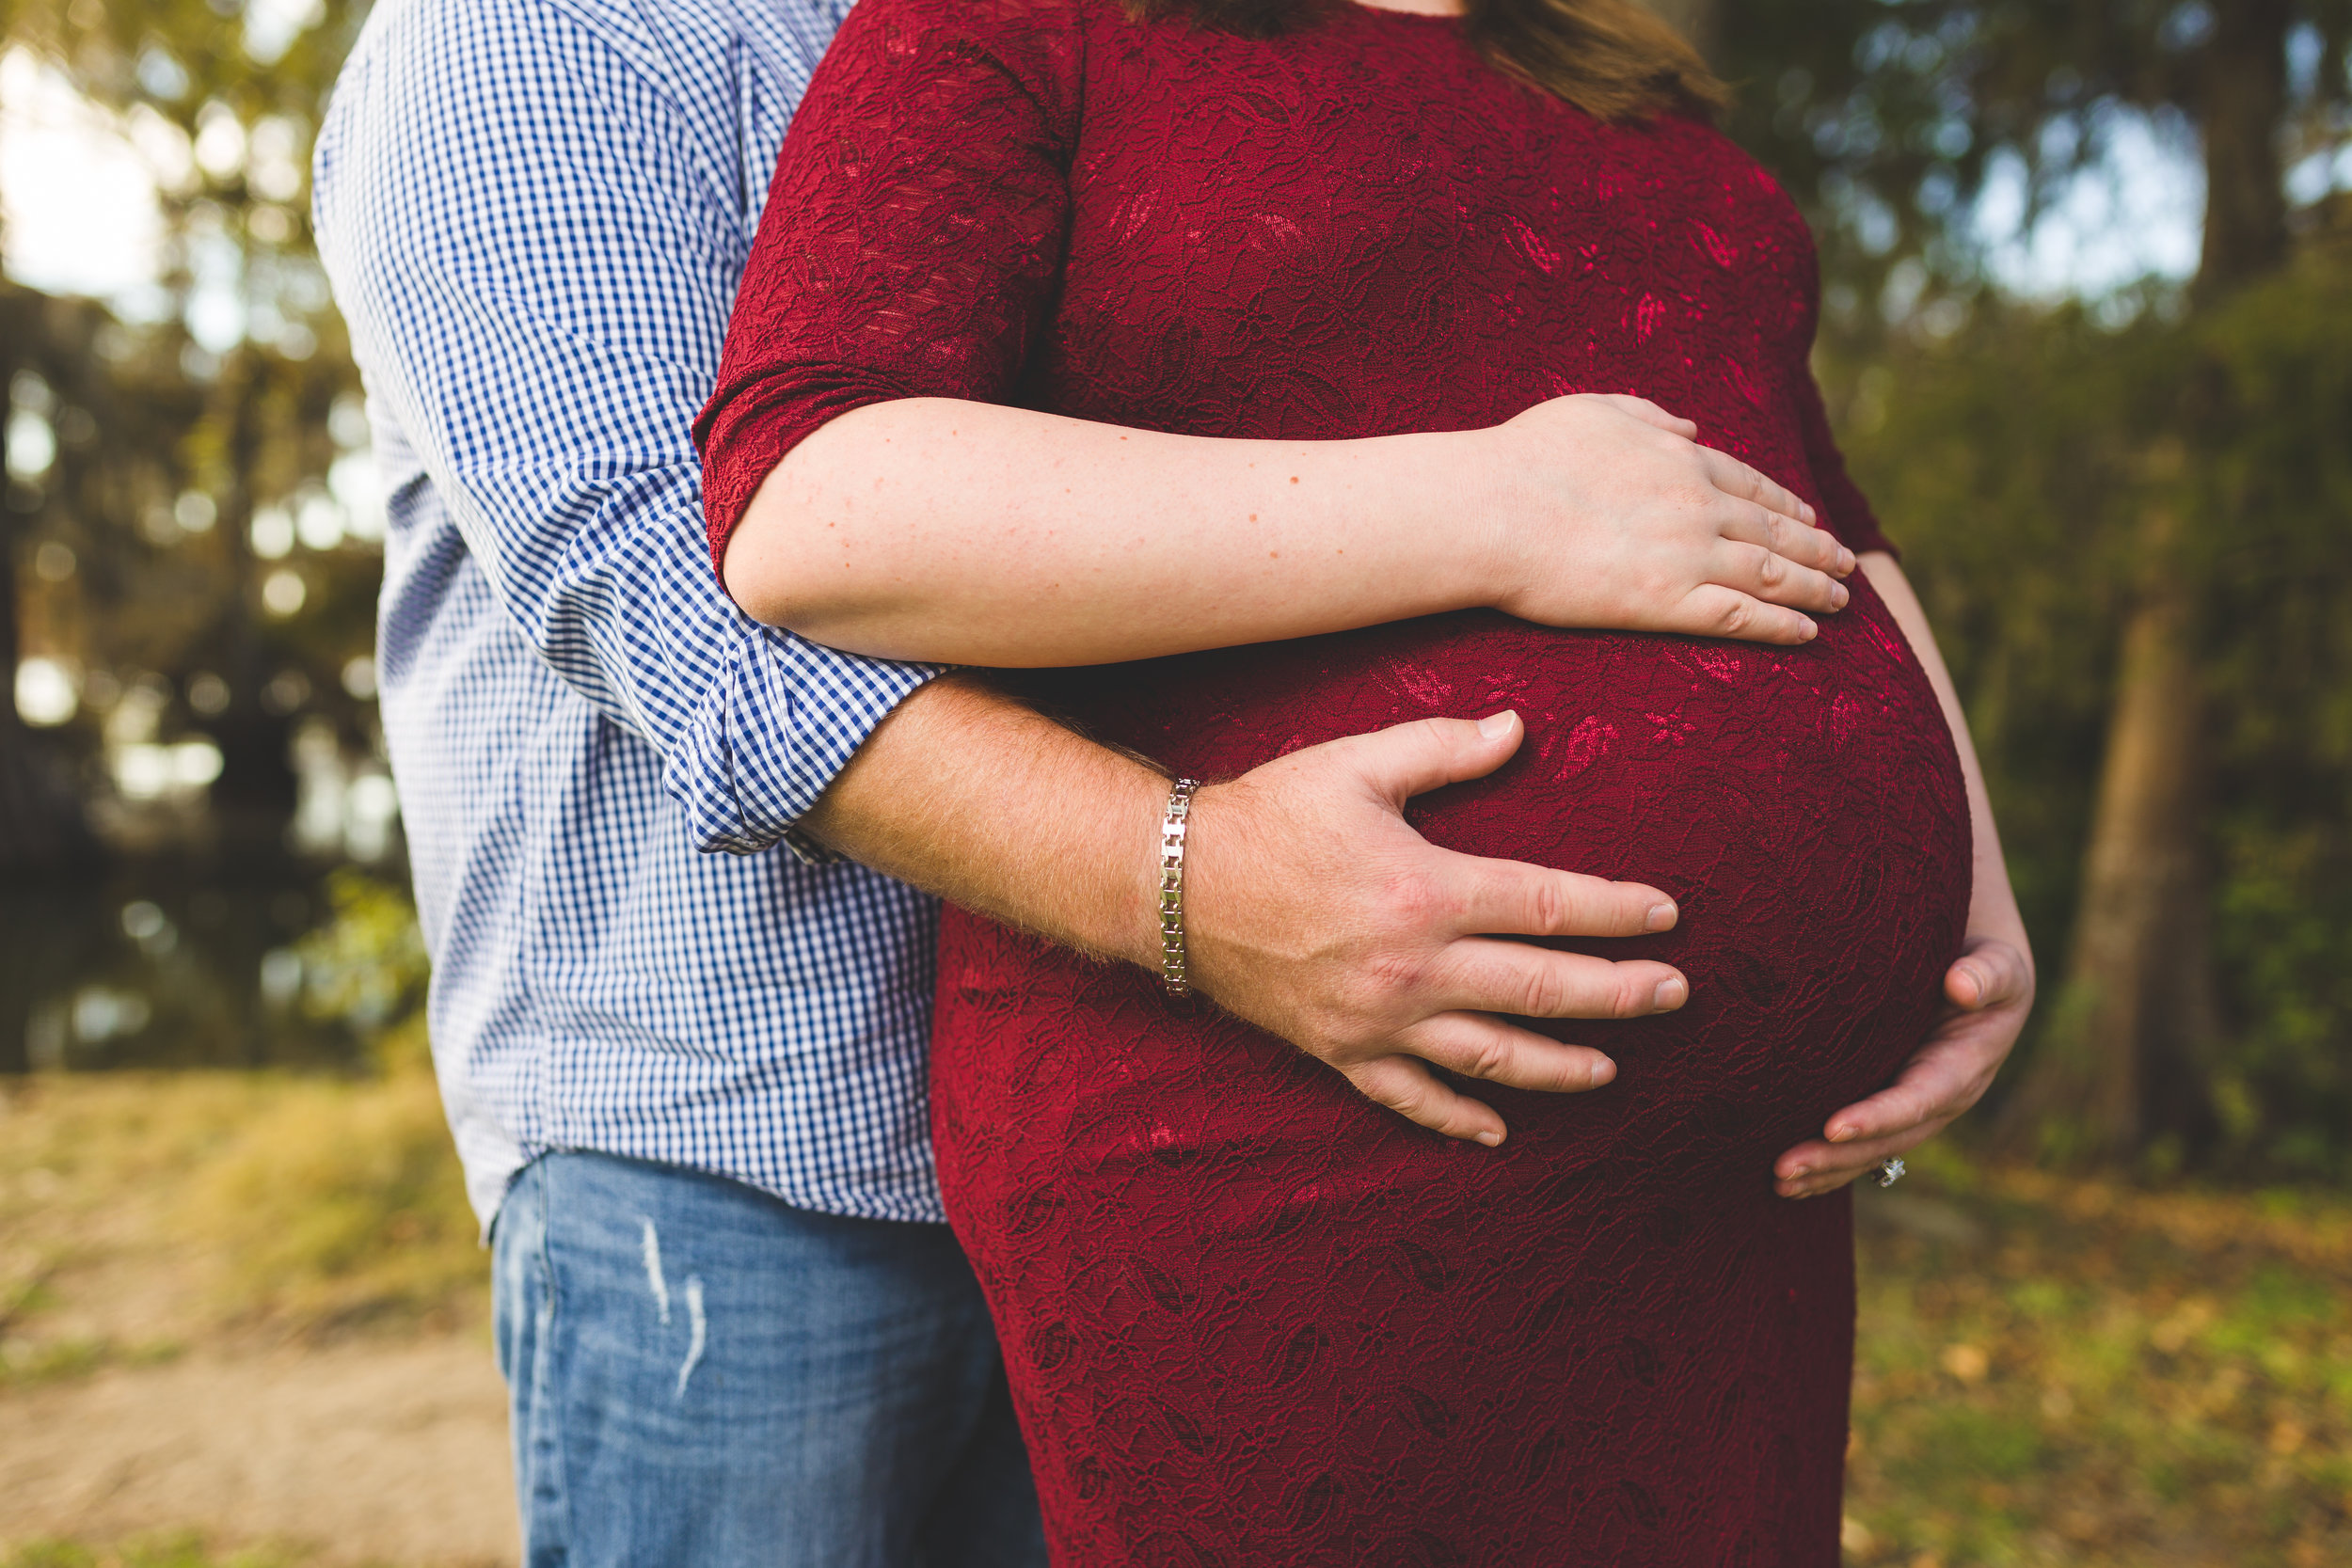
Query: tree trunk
(2137, 1021)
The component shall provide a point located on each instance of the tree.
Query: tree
(1888, 119)
(176, 434)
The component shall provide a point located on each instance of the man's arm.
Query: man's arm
(535, 250)
(1312, 910)
(537, 282)
(1990, 989)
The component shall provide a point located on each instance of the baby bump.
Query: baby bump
(1802, 805)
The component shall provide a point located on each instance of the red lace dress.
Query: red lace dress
(1251, 1318)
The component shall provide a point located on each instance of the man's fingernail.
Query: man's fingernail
(1846, 561)
(1661, 918)
(1496, 725)
(1672, 993)
(1604, 1072)
(1838, 595)
(1492, 1140)
(1807, 632)
(1798, 1174)
(1843, 1134)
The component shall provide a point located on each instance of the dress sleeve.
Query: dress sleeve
(1844, 508)
(914, 233)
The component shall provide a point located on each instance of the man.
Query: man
(688, 1086)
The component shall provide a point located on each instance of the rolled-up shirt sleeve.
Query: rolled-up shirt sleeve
(536, 252)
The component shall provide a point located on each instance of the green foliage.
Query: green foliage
(2063, 1371)
(337, 1203)
(1886, 116)
(149, 1212)
(173, 1549)
(2019, 465)
(366, 969)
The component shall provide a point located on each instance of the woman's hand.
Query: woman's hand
(1989, 992)
(1610, 515)
(1989, 988)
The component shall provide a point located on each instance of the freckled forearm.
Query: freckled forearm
(966, 532)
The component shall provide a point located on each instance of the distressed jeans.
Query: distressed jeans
(705, 1377)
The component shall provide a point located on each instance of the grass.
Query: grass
(178, 1549)
(2051, 1370)
(2072, 1371)
(143, 1213)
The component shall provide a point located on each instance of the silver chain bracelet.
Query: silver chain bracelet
(1173, 887)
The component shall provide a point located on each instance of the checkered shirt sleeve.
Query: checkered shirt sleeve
(534, 213)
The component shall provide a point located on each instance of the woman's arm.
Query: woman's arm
(1989, 987)
(970, 532)
(865, 484)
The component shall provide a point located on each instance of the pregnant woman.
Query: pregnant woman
(1319, 298)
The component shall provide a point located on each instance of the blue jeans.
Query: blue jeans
(705, 1377)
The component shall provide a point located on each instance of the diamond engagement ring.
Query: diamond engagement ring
(1890, 1172)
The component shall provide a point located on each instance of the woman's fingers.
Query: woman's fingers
(1992, 973)
(1776, 579)
(1413, 1092)
(1734, 477)
(1713, 610)
(1812, 1170)
(1753, 523)
(1650, 414)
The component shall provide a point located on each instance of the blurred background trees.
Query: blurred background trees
(2124, 485)
(187, 549)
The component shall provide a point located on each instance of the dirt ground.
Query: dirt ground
(367, 1452)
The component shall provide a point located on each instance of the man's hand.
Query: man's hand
(1312, 911)
(1989, 990)
(1312, 908)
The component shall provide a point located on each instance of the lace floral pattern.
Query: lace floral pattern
(1250, 1318)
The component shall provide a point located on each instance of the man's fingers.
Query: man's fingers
(1714, 610)
(1988, 975)
(1512, 899)
(1526, 981)
(1405, 760)
(1477, 1046)
(1413, 1092)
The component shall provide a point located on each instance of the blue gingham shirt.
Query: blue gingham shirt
(534, 213)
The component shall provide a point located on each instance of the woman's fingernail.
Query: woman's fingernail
(1672, 993)
(1492, 1140)
(1661, 918)
(1495, 726)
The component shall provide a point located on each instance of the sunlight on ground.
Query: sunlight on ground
(2051, 1371)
